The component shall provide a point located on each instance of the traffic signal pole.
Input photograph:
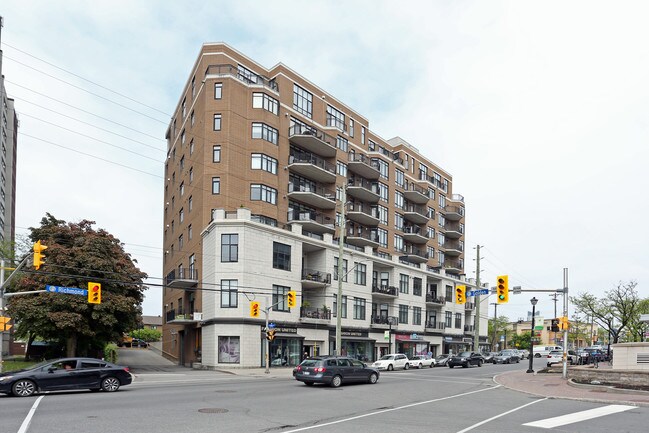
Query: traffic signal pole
(4, 283)
(476, 328)
(564, 372)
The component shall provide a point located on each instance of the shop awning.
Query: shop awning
(354, 339)
(287, 335)
(413, 341)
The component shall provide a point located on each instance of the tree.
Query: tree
(615, 311)
(146, 334)
(637, 329)
(77, 254)
(500, 326)
(521, 341)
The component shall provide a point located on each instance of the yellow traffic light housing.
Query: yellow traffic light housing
(564, 324)
(502, 289)
(292, 299)
(94, 293)
(270, 334)
(254, 309)
(39, 256)
(4, 323)
(460, 294)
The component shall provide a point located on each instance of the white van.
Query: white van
(544, 351)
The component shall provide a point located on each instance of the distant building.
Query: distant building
(152, 322)
(581, 334)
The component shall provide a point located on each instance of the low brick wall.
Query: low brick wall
(587, 374)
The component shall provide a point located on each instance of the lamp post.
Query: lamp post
(531, 367)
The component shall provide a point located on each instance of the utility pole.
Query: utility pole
(2, 300)
(565, 331)
(495, 344)
(476, 335)
(339, 297)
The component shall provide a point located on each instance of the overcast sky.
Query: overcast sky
(537, 109)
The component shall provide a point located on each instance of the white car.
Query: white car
(421, 361)
(392, 361)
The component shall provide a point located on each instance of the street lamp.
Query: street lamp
(531, 357)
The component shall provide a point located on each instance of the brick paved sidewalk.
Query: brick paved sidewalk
(552, 385)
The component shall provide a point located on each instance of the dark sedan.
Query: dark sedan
(465, 359)
(507, 357)
(334, 371)
(65, 374)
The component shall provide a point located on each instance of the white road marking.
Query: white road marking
(378, 412)
(433, 379)
(498, 416)
(28, 419)
(580, 416)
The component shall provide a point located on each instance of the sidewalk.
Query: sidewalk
(274, 373)
(552, 385)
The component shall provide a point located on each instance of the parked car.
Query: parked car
(540, 351)
(488, 357)
(334, 371)
(441, 360)
(525, 354)
(65, 374)
(465, 359)
(507, 356)
(391, 361)
(420, 361)
(554, 357)
(139, 343)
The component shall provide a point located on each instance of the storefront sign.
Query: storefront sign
(353, 334)
(416, 337)
(283, 330)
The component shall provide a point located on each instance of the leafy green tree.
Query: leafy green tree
(637, 329)
(520, 341)
(77, 254)
(146, 334)
(497, 328)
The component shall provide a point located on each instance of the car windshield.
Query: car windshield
(465, 354)
(441, 356)
(506, 352)
(417, 357)
(310, 362)
(386, 358)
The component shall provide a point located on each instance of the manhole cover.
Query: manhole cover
(212, 410)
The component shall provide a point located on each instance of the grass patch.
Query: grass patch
(11, 365)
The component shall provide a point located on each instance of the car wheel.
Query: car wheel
(308, 383)
(406, 366)
(431, 365)
(390, 367)
(465, 365)
(419, 366)
(110, 384)
(479, 363)
(336, 381)
(373, 378)
(23, 388)
(537, 355)
(450, 366)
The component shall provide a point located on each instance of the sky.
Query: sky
(537, 109)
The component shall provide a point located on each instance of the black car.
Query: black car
(507, 356)
(65, 374)
(139, 343)
(334, 370)
(465, 359)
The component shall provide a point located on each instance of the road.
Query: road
(166, 398)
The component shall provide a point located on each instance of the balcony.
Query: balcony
(383, 322)
(312, 167)
(437, 326)
(232, 71)
(413, 255)
(312, 140)
(415, 214)
(363, 190)
(314, 315)
(453, 267)
(469, 305)
(180, 317)
(314, 279)
(183, 278)
(453, 248)
(453, 231)
(415, 194)
(459, 198)
(312, 195)
(363, 166)
(362, 237)
(434, 300)
(388, 292)
(311, 221)
(469, 328)
(363, 214)
(415, 234)
(453, 213)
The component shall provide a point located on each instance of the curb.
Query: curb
(606, 388)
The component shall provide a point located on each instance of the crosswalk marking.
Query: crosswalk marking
(579, 416)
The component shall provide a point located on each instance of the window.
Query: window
(383, 214)
(229, 248)
(416, 286)
(229, 350)
(341, 168)
(264, 162)
(442, 201)
(403, 314)
(351, 128)
(265, 193)
(362, 134)
(431, 193)
(336, 269)
(279, 298)
(449, 294)
(335, 118)
(262, 100)
(193, 86)
(383, 237)
(404, 283)
(246, 75)
(383, 192)
(371, 145)
(441, 220)
(265, 132)
(416, 315)
(458, 320)
(342, 143)
(180, 242)
(183, 137)
(398, 221)
(193, 118)
(360, 273)
(359, 308)
(398, 243)
(441, 238)
(181, 188)
(191, 174)
(383, 167)
(216, 185)
(431, 252)
(184, 105)
(217, 122)
(281, 256)
(398, 200)
(190, 203)
(302, 101)
(181, 215)
(423, 172)
(216, 153)
(218, 90)
(343, 313)
(229, 293)
(399, 177)
(448, 318)
(191, 146)
(190, 232)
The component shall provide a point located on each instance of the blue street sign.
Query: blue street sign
(67, 290)
(478, 292)
(271, 325)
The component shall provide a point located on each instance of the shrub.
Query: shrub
(110, 352)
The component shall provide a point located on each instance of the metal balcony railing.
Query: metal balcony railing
(316, 276)
(182, 274)
(434, 299)
(315, 313)
(308, 158)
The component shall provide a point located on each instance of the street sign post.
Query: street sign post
(67, 290)
(478, 292)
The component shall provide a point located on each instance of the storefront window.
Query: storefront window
(229, 350)
(285, 352)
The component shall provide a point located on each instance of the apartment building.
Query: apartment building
(263, 169)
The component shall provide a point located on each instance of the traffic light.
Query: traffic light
(39, 256)
(564, 324)
(94, 293)
(502, 289)
(4, 324)
(554, 327)
(270, 334)
(291, 299)
(460, 294)
(254, 309)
